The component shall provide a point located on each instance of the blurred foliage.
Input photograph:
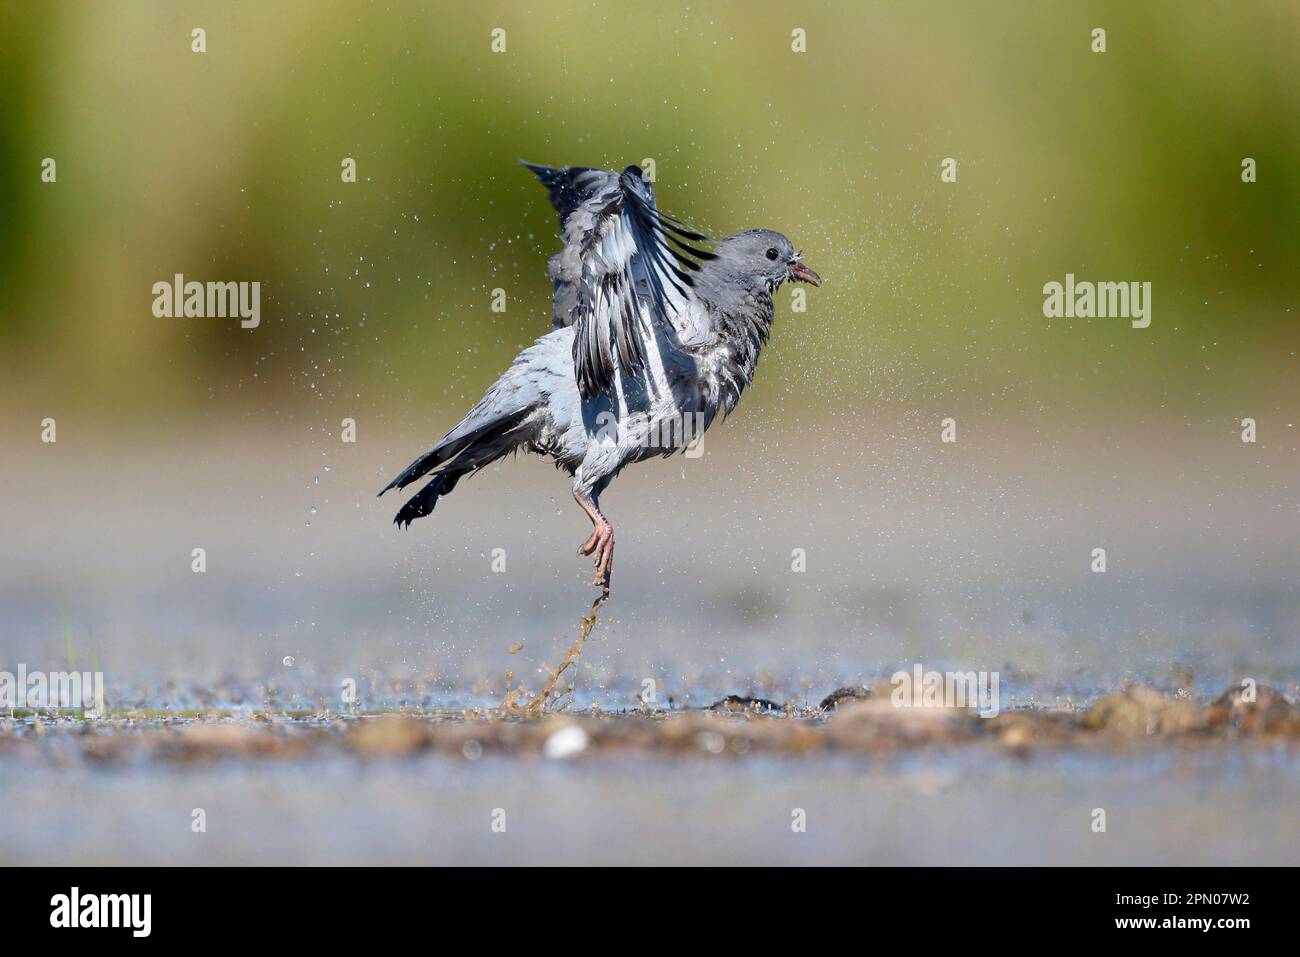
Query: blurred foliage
(225, 165)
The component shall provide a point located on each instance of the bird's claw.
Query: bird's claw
(602, 544)
(589, 546)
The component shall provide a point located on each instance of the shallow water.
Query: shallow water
(1162, 808)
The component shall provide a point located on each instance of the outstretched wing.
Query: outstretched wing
(624, 267)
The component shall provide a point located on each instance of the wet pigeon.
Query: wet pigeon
(654, 335)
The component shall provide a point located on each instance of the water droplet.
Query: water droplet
(288, 661)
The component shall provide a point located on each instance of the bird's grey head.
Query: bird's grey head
(762, 257)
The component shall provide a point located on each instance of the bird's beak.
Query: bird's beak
(801, 273)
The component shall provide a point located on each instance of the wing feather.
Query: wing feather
(625, 267)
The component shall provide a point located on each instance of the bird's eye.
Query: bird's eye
(772, 253)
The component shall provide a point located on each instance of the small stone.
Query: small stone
(735, 704)
(841, 695)
(565, 742)
(710, 741)
(1139, 710)
(1269, 713)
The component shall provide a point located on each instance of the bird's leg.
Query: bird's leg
(597, 521)
(601, 542)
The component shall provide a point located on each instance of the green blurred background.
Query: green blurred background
(225, 166)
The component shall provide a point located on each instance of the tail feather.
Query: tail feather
(455, 442)
(462, 452)
(421, 503)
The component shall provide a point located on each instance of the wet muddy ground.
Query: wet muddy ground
(849, 720)
(1179, 781)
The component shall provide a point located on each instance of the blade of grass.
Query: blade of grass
(67, 630)
(100, 704)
